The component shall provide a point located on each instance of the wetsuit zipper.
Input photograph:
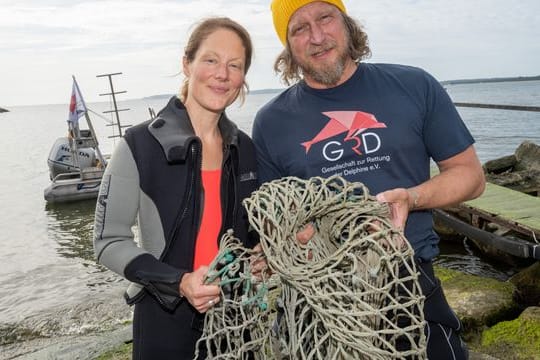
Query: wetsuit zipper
(228, 219)
(235, 196)
(180, 217)
(198, 219)
(223, 191)
(185, 201)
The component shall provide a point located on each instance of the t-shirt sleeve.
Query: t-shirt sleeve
(445, 133)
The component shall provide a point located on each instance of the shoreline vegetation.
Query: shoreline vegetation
(491, 80)
(445, 82)
(277, 90)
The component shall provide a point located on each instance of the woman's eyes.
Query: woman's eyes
(214, 61)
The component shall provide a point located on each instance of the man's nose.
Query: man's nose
(317, 34)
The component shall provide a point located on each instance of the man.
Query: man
(379, 124)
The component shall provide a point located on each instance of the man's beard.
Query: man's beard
(326, 74)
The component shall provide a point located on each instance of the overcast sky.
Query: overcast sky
(44, 42)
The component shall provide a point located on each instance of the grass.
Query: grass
(122, 352)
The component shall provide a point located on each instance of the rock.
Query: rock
(81, 331)
(520, 171)
(527, 290)
(500, 165)
(528, 156)
(96, 315)
(477, 301)
(3, 110)
(517, 339)
(86, 347)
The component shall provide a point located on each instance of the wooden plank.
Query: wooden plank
(508, 205)
(501, 107)
(498, 199)
(505, 206)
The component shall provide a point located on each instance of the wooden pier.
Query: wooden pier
(508, 208)
(501, 218)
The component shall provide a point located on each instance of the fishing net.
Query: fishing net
(351, 292)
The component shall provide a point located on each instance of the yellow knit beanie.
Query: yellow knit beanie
(282, 10)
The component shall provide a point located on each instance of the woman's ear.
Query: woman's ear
(185, 66)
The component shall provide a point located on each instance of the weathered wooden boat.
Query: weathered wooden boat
(504, 222)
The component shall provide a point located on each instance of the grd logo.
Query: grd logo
(352, 122)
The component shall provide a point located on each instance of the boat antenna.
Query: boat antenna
(115, 109)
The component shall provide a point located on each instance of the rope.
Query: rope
(238, 324)
(351, 292)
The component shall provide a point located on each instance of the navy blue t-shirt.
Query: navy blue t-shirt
(381, 127)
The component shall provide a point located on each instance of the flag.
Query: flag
(77, 108)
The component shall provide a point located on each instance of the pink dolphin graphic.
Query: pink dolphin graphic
(354, 122)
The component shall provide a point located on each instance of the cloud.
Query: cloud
(455, 39)
(45, 41)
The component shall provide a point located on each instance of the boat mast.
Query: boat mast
(115, 106)
(95, 143)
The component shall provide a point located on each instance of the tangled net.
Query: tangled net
(351, 292)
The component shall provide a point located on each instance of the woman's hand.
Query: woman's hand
(258, 264)
(202, 297)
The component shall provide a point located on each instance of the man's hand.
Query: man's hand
(400, 201)
(304, 235)
(201, 297)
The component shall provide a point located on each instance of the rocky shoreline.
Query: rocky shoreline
(83, 331)
(85, 347)
(501, 318)
(519, 171)
(496, 324)
(496, 321)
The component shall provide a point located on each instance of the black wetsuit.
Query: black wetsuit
(154, 179)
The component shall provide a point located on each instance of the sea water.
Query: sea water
(47, 261)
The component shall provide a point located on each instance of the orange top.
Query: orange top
(206, 246)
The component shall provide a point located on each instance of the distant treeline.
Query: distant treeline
(445, 82)
(265, 91)
(489, 80)
(260, 91)
(157, 97)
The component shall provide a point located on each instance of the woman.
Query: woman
(182, 177)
